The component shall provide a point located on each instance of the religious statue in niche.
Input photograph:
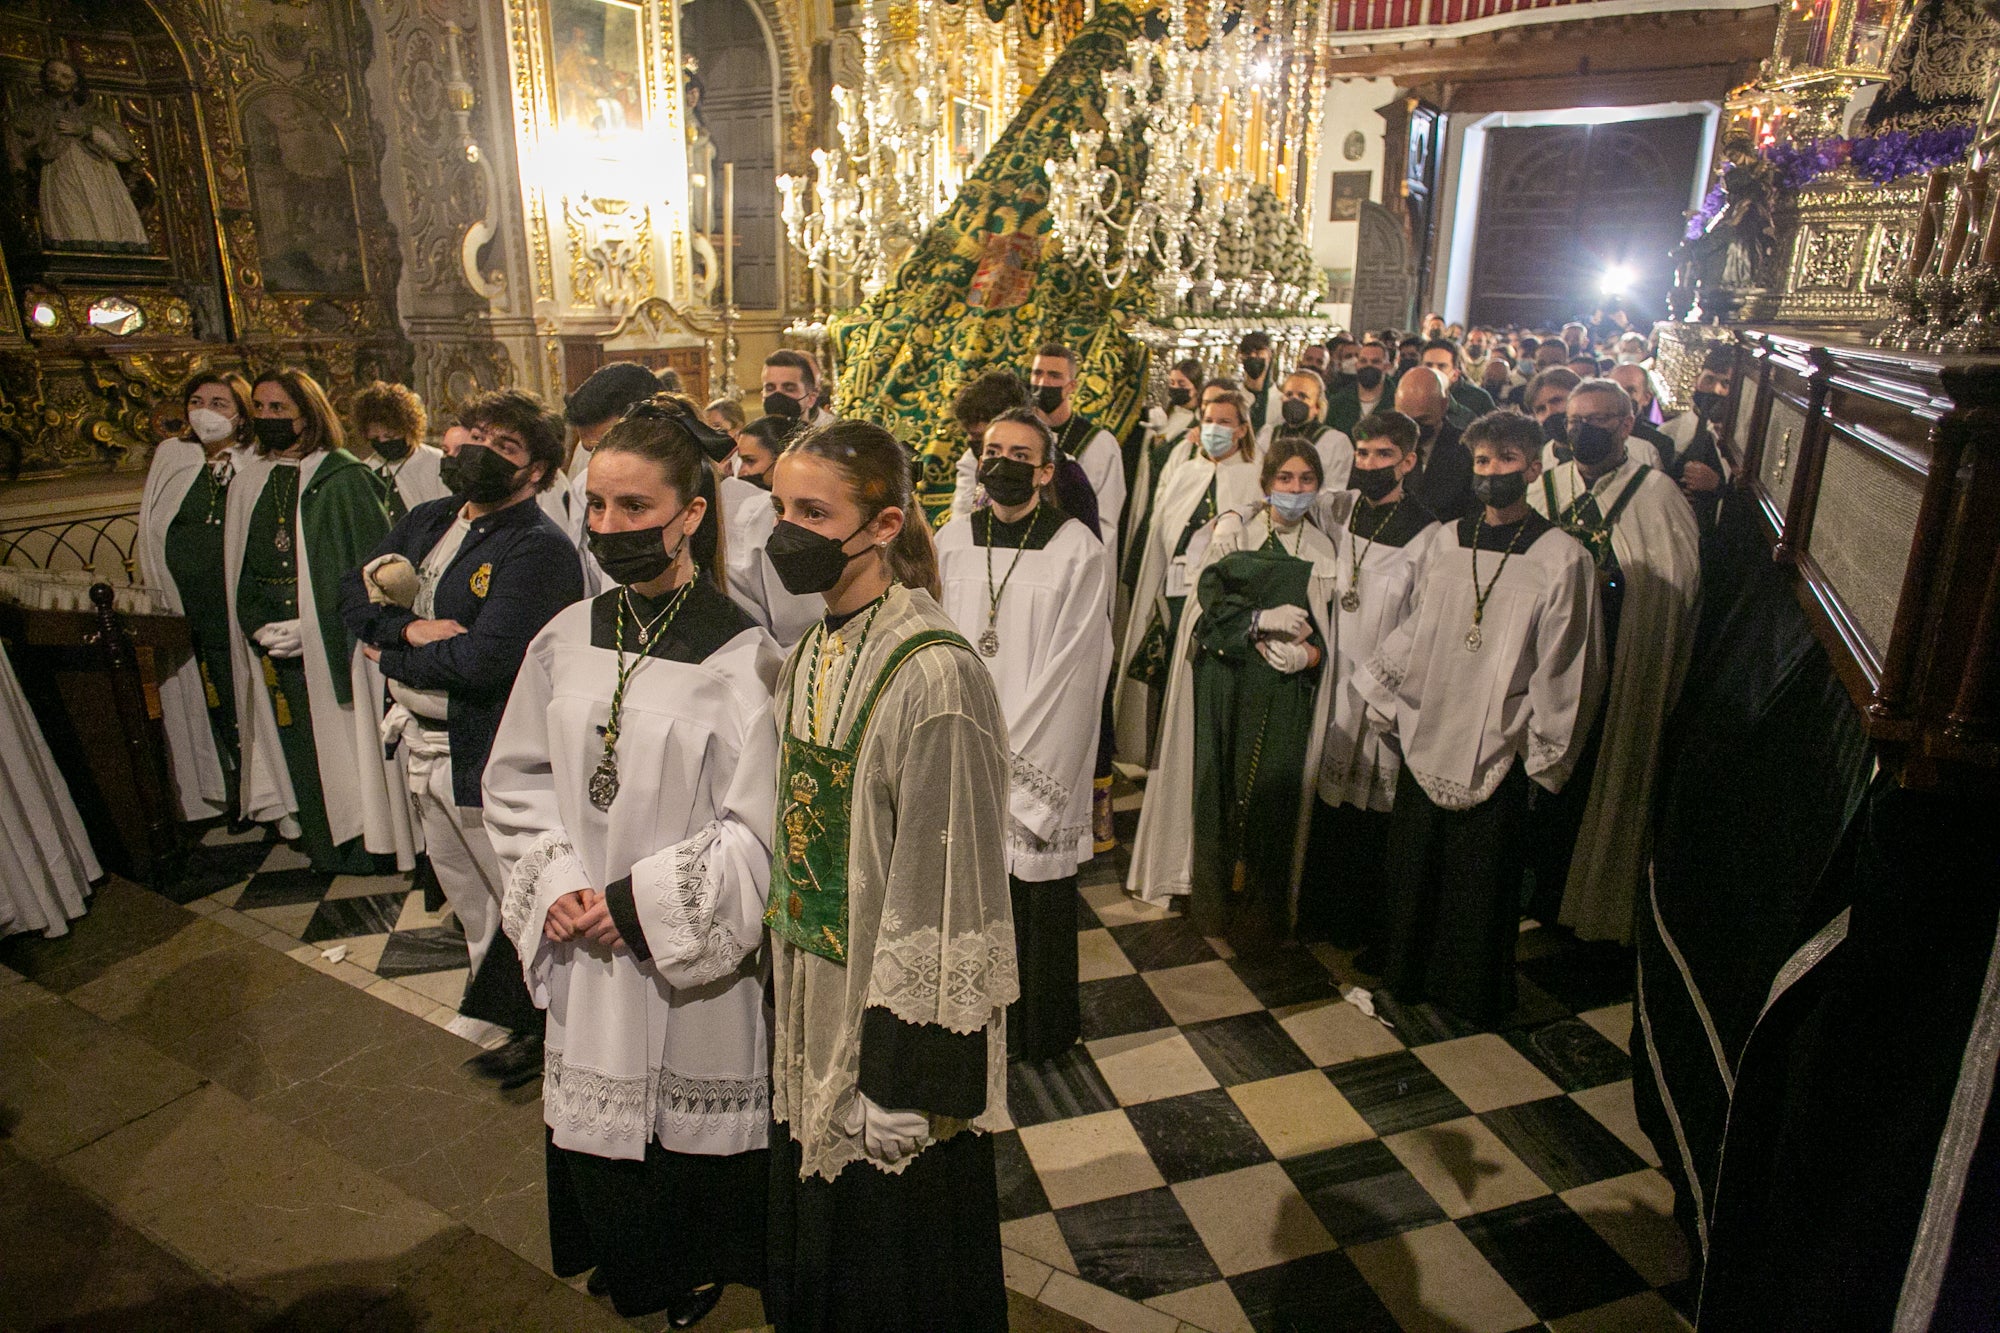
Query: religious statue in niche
(701, 153)
(600, 76)
(302, 198)
(83, 165)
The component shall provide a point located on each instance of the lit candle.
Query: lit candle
(728, 235)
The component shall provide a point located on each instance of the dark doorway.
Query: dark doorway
(1561, 205)
(733, 103)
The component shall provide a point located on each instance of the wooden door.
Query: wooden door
(1559, 205)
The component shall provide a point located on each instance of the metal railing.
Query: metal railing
(102, 544)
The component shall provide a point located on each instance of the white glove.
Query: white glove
(1284, 622)
(889, 1136)
(1285, 657)
(281, 638)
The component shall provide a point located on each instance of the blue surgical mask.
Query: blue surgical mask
(1217, 440)
(1291, 506)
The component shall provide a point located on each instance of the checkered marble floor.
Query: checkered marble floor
(1233, 1146)
(370, 931)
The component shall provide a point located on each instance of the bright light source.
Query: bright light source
(1263, 70)
(1617, 279)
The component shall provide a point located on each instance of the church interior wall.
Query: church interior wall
(1349, 110)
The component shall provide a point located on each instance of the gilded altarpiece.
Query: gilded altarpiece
(191, 184)
(600, 133)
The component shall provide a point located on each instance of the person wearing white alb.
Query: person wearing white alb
(390, 420)
(1301, 411)
(591, 409)
(1026, 584)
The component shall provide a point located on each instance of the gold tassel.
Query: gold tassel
(278, 701)
(208, 687)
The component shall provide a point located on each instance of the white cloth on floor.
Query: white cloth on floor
(46, 864)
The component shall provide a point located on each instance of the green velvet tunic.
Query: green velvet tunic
(194, 558)
(267, 591)
(1252, 727)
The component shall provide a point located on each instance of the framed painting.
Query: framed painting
(597, 62)
(302, 196)
(1350, 191)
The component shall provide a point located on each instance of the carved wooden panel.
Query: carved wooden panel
(1559, 204)
(1384, 285)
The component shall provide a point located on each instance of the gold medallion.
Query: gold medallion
(1474, 639)
(1350, 600)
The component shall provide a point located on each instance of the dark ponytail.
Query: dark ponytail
(654, 429)
(877, 469)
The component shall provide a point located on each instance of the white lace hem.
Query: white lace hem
(698, 946)
(1040, 786)
(629, 1109)
(548, 854)
(922, 978)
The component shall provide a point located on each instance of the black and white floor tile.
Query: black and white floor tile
(1233, 1147)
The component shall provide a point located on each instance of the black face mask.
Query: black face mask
(1501, 490)
(482, 475)
(1708, 406)
(1427, 432)
(1295, 412)
(1373, 482)
(761, 480)
(1178, 397)
(1555, 428)
(1590, 445)
(1048, 397)
(1254, 367)
(806, 561)
(1369, 378)
(274, 434)
(637, 555)
(395, 450)
(783, 405)
(1008, 481)
(1406, 362)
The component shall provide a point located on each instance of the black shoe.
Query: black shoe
(511, 1065)
(598, 1284)
(687, 1310)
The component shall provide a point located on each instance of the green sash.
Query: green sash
(1582, 520)
(808, 903)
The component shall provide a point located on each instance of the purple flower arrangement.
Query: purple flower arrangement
(1880, 158)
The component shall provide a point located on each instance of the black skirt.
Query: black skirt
(658, 1228)
(1045, 1021)
(910, 1253)
(1451, 898)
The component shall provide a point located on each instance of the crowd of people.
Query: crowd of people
(762, 804)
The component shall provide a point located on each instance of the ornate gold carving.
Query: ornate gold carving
(610, 252)
(1847, 239)
(1827, 257)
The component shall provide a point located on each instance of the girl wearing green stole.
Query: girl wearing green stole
(309, 704)
(180, 555)
(892, 934)
(1226, 814)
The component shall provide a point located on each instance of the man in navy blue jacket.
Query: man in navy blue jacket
(447, 604)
